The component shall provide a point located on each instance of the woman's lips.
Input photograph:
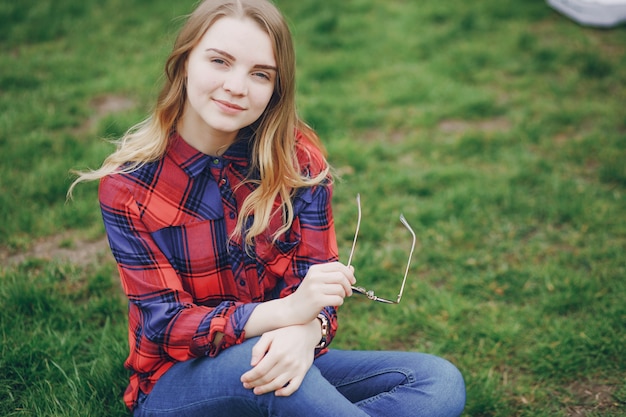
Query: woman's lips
(228, 106)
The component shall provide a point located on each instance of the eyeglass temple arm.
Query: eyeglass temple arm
(406, 272)
(358, 226)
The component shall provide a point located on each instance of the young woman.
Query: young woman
(218, 212)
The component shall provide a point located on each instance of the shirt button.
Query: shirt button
(242, 283)
(223, 181)
(216, 161)
(231, 215)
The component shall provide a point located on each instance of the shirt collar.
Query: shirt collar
(193, 162)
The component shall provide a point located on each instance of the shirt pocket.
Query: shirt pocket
(275, 257)
(194, 249)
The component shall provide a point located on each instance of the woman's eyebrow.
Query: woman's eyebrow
(232, 58)
(219, 51)
(266, 67)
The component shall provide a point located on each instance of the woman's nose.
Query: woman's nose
(235, 83)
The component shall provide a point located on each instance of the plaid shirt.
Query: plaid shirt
(168, 225)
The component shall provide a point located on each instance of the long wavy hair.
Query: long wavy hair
(274, 150)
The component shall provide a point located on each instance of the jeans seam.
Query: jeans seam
(407, 374)
(187, 406)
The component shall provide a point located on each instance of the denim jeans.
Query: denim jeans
(340, 383)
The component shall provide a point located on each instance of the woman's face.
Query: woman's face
(230, 79)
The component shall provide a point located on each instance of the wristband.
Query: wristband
(324, 321)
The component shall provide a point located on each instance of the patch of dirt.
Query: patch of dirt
(103, 106)
(67, 246)
(586, 397)
(391, 137)
(111, 104)
(500, 124)
(63, 247)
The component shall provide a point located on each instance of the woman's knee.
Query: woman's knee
(448, 387)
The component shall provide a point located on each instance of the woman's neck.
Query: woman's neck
(205, 140)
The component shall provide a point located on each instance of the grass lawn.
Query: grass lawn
(497, 127)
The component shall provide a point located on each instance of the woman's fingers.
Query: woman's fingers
(329, 275)
(324, 285)
(286, 357)
(289, 388)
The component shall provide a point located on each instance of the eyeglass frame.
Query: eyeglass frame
(370, 293)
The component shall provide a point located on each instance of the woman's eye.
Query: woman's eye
(218, 61)
(262, 75)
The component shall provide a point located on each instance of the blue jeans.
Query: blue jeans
(340, 383)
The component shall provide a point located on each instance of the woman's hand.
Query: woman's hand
(281, 358)
(324, 285)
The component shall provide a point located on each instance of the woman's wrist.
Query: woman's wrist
(272, 315)
(295, 311)
(315, 332)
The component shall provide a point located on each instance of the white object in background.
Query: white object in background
(601, 13)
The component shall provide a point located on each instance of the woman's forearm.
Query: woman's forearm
(272, 315)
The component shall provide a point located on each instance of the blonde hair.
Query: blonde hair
(274, 150)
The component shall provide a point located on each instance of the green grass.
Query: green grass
(497, 127)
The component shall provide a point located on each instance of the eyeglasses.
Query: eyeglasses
(369, 293)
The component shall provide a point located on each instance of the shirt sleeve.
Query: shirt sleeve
(163, 318)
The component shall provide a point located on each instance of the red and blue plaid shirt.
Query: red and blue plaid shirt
(168, 225)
